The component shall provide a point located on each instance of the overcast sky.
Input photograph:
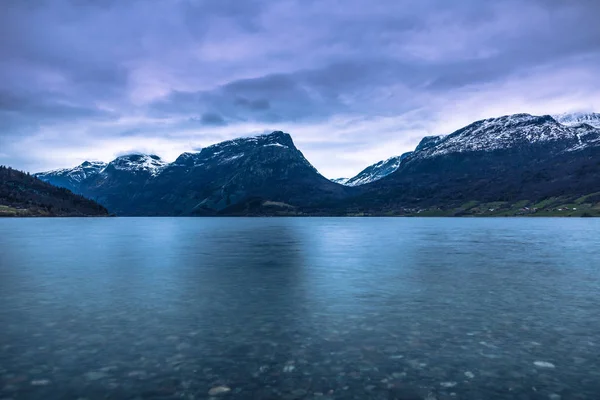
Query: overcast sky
(353, 81)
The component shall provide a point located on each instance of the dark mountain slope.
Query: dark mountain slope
(25, 195)
(507, 159)
(239, 174)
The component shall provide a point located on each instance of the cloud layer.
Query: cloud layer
(353, 81)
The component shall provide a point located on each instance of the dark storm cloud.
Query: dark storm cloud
(282, 97)
(307, 95)
(212, 119)
(121, 69)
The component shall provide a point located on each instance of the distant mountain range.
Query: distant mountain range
(500, 166)
(24, 195)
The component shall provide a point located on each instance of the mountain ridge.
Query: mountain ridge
(579, 121)
(510, 159)
(240, 176)
(208, 181)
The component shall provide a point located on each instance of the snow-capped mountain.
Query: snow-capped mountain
(79, 178)
(70, 177)
(230, 173)
(570, 130)
(277, 143)
(374, 172)
(507, 132)
(578, 118)
(137, 163)
(506, 159)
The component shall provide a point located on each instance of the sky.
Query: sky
(353, 81)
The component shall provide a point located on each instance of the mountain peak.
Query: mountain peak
(261, 139)
(137, 162)
(429, 141)
(238, 146)
(138, 157)
(67, 176)
(186, 159)
(92, 164)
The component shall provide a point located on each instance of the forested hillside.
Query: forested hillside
(24, 195)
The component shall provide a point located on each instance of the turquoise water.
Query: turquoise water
(300, 308)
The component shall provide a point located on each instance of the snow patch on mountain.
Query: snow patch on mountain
(230, 159)
(276, 138)
(506, 132)
(75, 174)
(341, 181)
(139, 162)
(375, 172)
(276, 145)
(578, 118)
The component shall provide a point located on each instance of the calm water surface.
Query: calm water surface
(313, 308)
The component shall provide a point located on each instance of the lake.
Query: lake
(300, 308)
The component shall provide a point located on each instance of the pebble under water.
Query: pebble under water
(299, 308)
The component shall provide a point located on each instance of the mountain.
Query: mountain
(137, 164)
(511, 159)
(24, 195)
(509, 165)
(241, 176)
(573, 119)
(113, 185)
(374, 172)
(509, 132)
(72, 177)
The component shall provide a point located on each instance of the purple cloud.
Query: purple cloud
(85, 79)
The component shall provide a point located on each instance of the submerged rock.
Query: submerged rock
(543, 364)
(218, 390)
(448, 384)
(289, 368)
